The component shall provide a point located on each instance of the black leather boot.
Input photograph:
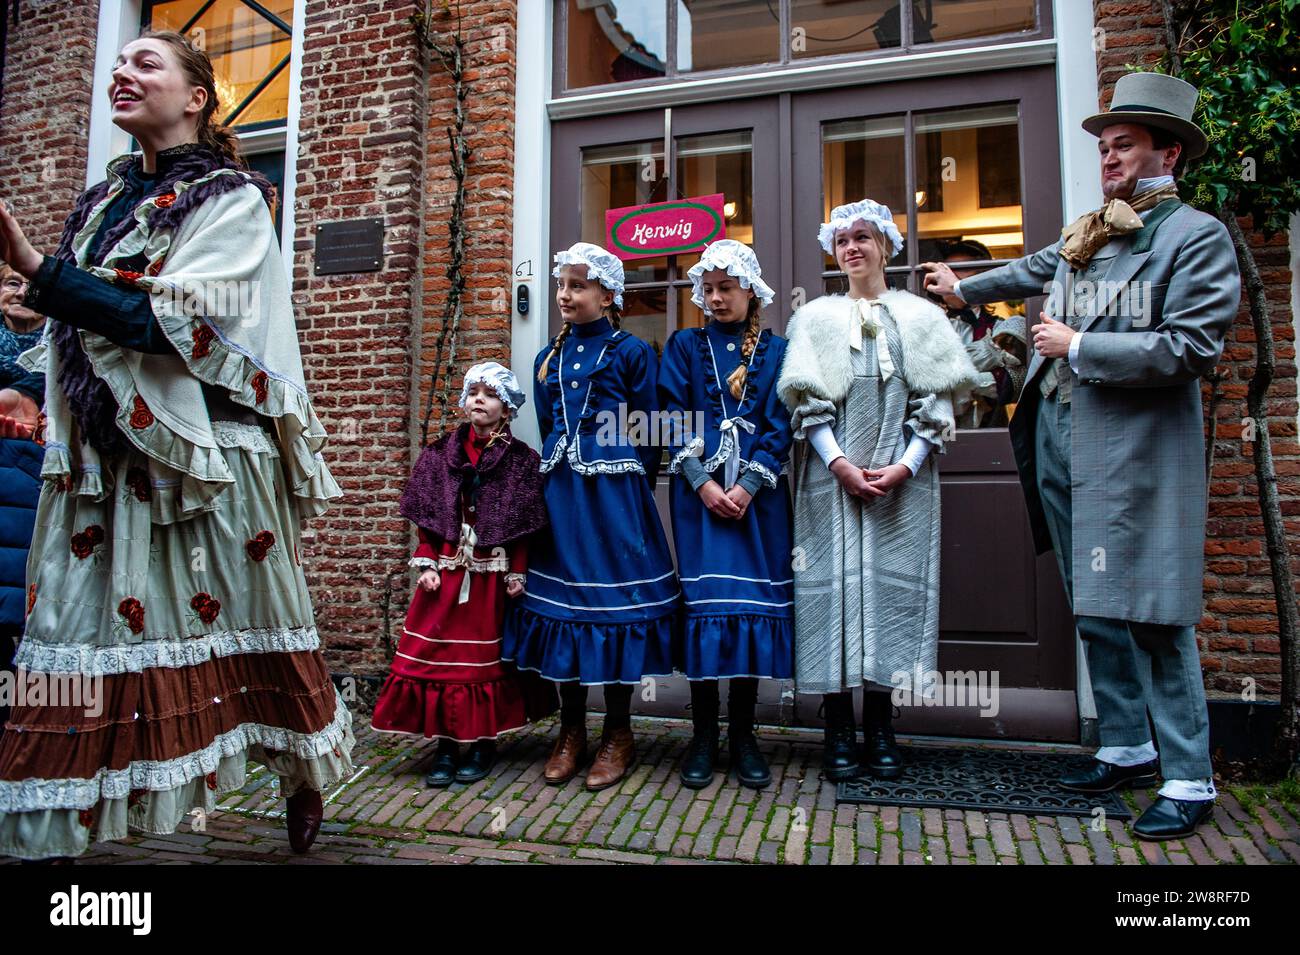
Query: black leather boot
(696, 770)
(443, 771)
(478, 761)
(880, 751)
(840, 748)
(746, 758)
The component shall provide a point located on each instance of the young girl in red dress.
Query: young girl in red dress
(475, 496)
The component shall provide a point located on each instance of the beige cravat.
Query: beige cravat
(866, 313)
(1088, 233)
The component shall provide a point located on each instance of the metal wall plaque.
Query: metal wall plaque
(354, 245)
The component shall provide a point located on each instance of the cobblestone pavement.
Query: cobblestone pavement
(385, 815)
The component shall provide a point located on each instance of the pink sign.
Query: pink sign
(665, 228)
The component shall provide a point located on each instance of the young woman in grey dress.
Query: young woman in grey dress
(870, 379)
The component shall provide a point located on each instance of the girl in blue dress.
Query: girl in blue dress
(731, 510)
(601, 598)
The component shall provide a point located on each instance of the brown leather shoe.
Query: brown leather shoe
(614, 757)
(303, 818)
(569, 752)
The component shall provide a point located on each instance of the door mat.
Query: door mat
(983, 779)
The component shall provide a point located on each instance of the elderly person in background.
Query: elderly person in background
(21, 392)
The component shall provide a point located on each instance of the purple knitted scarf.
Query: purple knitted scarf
(89, 397)
(508, 492)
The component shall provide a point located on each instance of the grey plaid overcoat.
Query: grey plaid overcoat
(1154, 327)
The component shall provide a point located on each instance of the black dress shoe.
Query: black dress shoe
(840, 740)
(1172, 818)
(478, 762)
(880, 750)
(748, 762)
(443, 771)
(1103, 777)
(696, 770)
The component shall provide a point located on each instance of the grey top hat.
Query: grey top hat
(1154, 99)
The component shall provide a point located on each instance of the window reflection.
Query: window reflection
(250, 51)
(616, 42)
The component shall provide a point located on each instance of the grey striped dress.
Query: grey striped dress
(866, 572)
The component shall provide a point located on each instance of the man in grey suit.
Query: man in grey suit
(1109, 439)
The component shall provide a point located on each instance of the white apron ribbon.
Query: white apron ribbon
(731, 469)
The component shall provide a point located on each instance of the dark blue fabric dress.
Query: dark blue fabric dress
(735, 575)
(601, 601)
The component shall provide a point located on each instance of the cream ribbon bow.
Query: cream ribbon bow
(731, 470)
(868, 322)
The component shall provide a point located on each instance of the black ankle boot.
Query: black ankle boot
(840, 749)
(478, 762)
(443, 771)
(880, 751)
(696, 770)
(747, 760)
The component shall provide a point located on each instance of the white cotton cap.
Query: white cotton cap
(497, 377)
(843, 217)
(602, 265)
(737, 260)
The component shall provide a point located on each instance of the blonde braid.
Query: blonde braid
(559, 343)
(737, 378)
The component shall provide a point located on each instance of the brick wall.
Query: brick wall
(45, 115)
(488, 29)
(361, 145)
(1238, 633)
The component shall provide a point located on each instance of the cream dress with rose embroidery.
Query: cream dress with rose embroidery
(173, 574)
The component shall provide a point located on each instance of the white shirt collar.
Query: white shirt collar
(1155, 182)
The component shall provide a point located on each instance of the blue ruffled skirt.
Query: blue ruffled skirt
(738, 587)
(601, 603)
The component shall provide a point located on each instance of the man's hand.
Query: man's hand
(717, 501)
(430, 581)
(890, 476)
(740, 497)
(14, 247)
(940, 281)
(1052, 338)
(18, 414)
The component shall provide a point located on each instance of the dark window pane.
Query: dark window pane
(824, 27)
(713, 34)
(618, 176)
(969, 19)
(968, 181)
(865, 159)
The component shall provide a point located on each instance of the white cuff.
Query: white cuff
(956, 290)
(822, 438)
(1191, 789)
(1127, 755)
(917, 450)
(1074, 352)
